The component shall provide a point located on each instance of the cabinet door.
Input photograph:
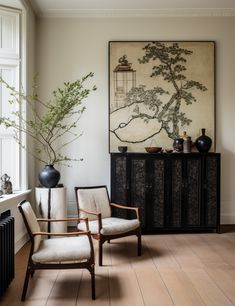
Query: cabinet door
(185, 200)
(212, 191)
(138, 187)
(155, 206)
(119, 183)
(175, 185)
(192, 192)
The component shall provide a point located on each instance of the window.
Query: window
(10, 70)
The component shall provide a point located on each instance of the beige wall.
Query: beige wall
(70, 48)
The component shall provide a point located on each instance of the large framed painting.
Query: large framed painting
(158, 90)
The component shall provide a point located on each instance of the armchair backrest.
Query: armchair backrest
(31, 222)
(93, 199)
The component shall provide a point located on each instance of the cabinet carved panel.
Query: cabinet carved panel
(138, 187)
(121, 179)
(193, 191)
(120, 196)
(158, 193)
(211, 193)
(176, 192)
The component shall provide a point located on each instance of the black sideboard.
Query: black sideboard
(175, 192)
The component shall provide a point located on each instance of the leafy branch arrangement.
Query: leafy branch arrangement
(53, 127)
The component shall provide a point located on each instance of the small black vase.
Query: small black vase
(49, 176)
(178, 144)
(203, 143)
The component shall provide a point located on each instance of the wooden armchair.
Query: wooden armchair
(94, 203)
(67, 251)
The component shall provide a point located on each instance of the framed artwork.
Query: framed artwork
(158, 90)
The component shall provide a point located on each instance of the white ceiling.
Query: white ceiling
(90, 8)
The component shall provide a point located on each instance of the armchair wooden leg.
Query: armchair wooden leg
(139, 244)
(93, 283)
(100, 252)
(26, 281)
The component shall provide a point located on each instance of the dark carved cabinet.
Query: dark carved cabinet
(175, 192)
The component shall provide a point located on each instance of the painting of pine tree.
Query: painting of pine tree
(159, 89)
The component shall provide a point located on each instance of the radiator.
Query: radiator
(7, 250)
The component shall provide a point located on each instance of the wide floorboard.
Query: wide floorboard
(180, 269)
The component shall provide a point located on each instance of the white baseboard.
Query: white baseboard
(21, 242)
(227, 218)
(227, 212)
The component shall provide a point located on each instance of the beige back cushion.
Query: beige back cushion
(94, 200)
(33, 223)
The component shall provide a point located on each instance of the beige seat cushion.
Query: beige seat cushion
(111, 226)
(94, 200)
(63, 249)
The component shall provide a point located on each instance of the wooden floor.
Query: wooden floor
(181, 269)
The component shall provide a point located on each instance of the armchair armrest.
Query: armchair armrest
(87, 233)
(98, 215)
(65, 219)
(61, 219)
(89, 212)
(136, 209)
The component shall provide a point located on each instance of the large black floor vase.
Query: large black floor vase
(49, 176)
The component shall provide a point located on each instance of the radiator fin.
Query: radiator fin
(7, 250)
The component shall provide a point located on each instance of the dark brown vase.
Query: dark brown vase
(203, 143)
(178, 144)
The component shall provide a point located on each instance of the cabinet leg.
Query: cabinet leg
(218, 230)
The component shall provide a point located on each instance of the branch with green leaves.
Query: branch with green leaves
(57, 119)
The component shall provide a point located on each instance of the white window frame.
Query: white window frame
(7, 57)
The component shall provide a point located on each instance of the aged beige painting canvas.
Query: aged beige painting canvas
(159, 89)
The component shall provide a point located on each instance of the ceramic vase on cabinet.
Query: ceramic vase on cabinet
(203, 143)
(178, 144)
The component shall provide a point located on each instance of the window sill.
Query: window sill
(7, 197)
